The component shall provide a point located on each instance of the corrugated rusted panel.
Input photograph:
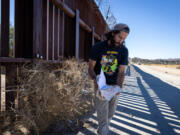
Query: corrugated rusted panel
(91, 15)
(88, 45)
(4, 43)
(77, 35)
(45, 28)
(56, 34)
(53, 32)
(92, 35)
(71, 3)
(23, 29)
(99, 25)
(69, 37)
(37, 28)
(84, 44)
(61, 34)
(50, 30)
(82, 7)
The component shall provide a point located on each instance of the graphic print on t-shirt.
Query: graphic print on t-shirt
(109, 62)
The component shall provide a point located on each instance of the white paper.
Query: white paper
(108, 91)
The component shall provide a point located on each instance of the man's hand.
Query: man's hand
(95, 84)
(92, 64)
(92, 74)
(118, 93)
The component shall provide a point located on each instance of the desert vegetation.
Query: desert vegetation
(51, 98)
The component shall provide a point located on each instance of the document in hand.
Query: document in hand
(108, 91)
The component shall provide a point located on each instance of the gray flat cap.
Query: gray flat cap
(120, 27)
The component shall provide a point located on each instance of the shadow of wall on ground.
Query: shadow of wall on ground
(167, 93)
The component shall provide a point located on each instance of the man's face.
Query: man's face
(120, 37)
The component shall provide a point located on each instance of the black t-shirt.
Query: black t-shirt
(108, 59)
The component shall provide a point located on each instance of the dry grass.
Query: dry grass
(50, 94)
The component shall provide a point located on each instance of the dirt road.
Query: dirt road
(168, 75)
(147, 106)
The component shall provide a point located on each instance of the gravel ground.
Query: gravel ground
(147, 106)
(168, 75)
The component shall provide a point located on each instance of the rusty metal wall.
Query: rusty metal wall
(69, 37)
(23, 29)
(43, 30)
(85, 44)
(52, 46)
(89, 13)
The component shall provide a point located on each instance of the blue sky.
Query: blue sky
(12, 12)
(154, 24)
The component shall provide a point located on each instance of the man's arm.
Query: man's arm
(91, 72)
(121, 75)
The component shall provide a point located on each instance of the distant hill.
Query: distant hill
(171, 61)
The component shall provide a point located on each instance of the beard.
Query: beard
(112, 43)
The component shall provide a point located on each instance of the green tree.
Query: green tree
(11, 40)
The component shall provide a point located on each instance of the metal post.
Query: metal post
(4, 40)
(3, 87)
(92, 35)
(47, 36)
(58, 34)
(37, 28)
(77, 34)
(53, 22)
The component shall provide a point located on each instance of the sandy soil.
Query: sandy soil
(166, 74)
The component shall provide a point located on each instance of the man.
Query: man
(110, 56)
